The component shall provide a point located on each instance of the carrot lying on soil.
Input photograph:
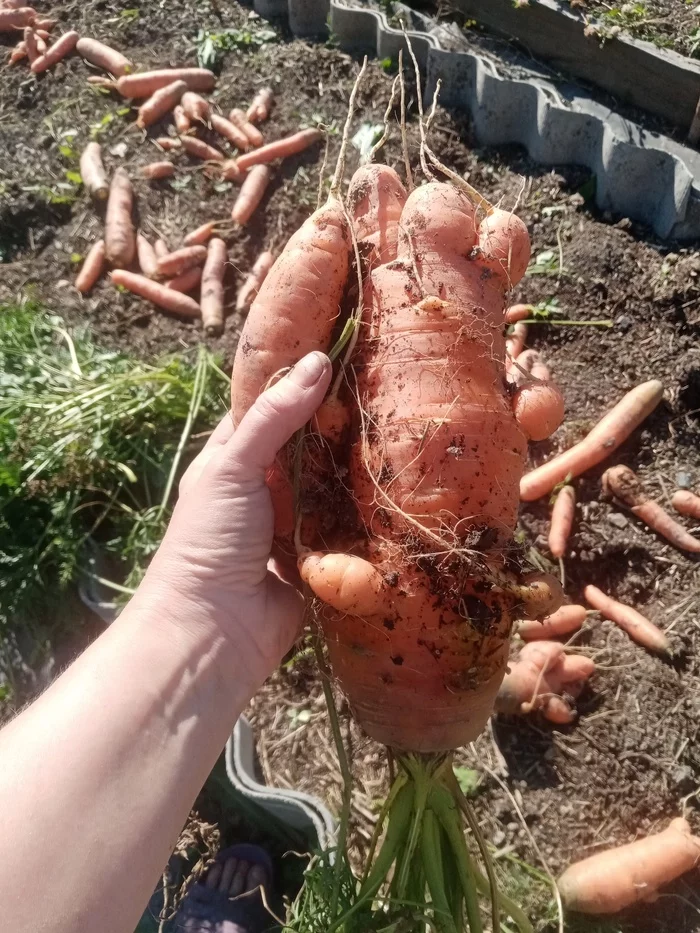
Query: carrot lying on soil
(562, 521)
(251, 132)
(181, 120)
(611, 431)
(518, 313)
(626, 487)
(229, 131)
(542, 672)
(609, 881)
(226, 171)
(212, 296)
(101, 81)
(92, 268)
(251, 194)
(201, 235)
(148, 82)
(120, 237)
(564, 621)
(93, 173)
(11, 20)
(637, 626)
(279, 149)
(19, 53)
(157, 170)
(259, 109)
(157, 293)
(30, 44)
(159, 103)
(167, 143)
(42, 33)
(250, 288)
(181, 259)
(200, 149)
(56, 52)
(44, 25)
(187, 281)
(104, 56)
(686, 503)
(196, 108)
(148, 261)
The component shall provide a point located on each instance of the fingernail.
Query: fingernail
(310, 369)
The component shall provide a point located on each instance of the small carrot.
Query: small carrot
(251, 194)
(197, 109)
(157, 170)
(92, 268)
(148, 82)
(564, 621)
(167, 143)
(120, 238)
(562, 521)
(212, 298)
(250, 288)
(259, 109)
(280, 149)
(201, 234)
(42, 33)
(538, 404)
(606, 436)
(515, 342)
(225, 128)
(518, 313)
(239, 120)
(101, 81)
(180, 260)
(17, 19)
(186, 281)
(45, 25)
(159, 103)
(55, 53)
(19, 53)
(105, 57)
(93, 173)
(625, 486)
(686, 503)
(148, 261)
(161, 248)
(181, 120)
(637, 626)
(160, 295)
(30, 43)
(200, 149)
(228, 171)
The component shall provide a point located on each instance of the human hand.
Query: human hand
(211, 570)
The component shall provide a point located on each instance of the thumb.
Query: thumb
(276, 414)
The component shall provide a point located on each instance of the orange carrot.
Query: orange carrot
(564, 621)
(101, 81)
(257, 275)
(212, 298)
(186, 281)
(611, 880)
(228, 171)
(181, 259)
(538, 408)
(120, 237)
(93, 173)
(518, 313)
(605, 437)
(200, 149)
(30, 42)
(637, 626)
(55, 53)
(181, 120)
(167, 143)
(105, 57)
(515, 342)
(280, 149)
(44, 25)
(251, 194)
(10, 20)
(42, 33)
(92, 268)
(157, 170)
(201, 235)
(197, 109)
(625, 486)
(148, 261)
(161, 248)
(148, 82)
(239, 120)
(157, 293)
(19, 53)
(562, 521)
(159, 103)
(687, 503)
(225, 128)
(259, 109)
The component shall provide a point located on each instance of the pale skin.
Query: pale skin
(98, 774)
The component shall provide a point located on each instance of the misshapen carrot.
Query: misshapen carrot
(56, 52)
(93, 173)
(605, 437)
(120, 237)
(97, 53)
(254, 280)
(212, 298)
(259, 109)
(92, 268)
(609, 881)
(200, 150)
(160, 295)
(159, 103)
(686, 503)
(146, 83)
(230, 132)
(187, 281)
(181, 259)
(196, 108)
(10, 20)
(201, 235)
(564, 621)
(625, 486)
(280, 149)
(181, 120)
(252, 133)
(251, 194)
(148, 261)
(637, 626)
(562, 521)
(156, 170)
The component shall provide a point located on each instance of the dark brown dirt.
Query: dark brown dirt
(630, 762)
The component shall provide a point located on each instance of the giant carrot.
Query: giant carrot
(605, 437)
(120, 237)
(56, 52)
(212, 298)
(159, 103)
(562, 521)
(92, 268)
(637, 626)
(92, 171)
(280, 149)
(97, 53)
(160, 295)
(251, 194)
(254, 280)
(259, 109)
(148, 82)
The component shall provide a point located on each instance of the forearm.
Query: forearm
(97, 777)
